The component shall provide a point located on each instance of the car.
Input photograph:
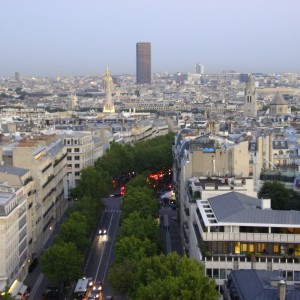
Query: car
(102, 231)
(97, 286)
(116, 195)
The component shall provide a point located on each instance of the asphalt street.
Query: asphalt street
(101, 254)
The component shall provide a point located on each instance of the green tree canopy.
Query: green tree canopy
(139, 200)
(123, 277)
(184, 278)
(140, 227)
(134, 249)
(61, 263)
(88, 209)
(93, 183)
(74, 231)
(282, 198)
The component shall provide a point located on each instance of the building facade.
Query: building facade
(45, 157)
(14, 229)
(82, 151)
(143, 63)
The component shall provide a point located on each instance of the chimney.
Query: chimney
(281, 290)
(265, 203)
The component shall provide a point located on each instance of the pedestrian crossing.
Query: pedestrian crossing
(113, 210)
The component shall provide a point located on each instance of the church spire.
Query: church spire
(108, 105)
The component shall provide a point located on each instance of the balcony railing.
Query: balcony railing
(242, 258)
(254, 237)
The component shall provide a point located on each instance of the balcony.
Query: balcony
(50, 178)
(254, 237)
(193, 196)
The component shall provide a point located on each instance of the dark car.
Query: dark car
(51, 293)
(116, 195)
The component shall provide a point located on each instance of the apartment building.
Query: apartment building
(223, 223)
(45, 157)
(82, 151)
(13, 231)
(234, 231)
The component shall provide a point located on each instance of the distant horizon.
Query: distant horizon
(68, 38)
(133, 74)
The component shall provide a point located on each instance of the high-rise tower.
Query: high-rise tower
(250, 102)
(143, 63)
(108, 106)
(199, 69)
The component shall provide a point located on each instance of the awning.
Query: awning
(23, 289)
(17, 288)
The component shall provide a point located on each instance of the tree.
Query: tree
(89, 209)
(139, 200)
(184, 278)
(140, 181)
(93, 183)
(123, 277)
(133, 248)
(282, 198)
(61, 264)
(74, 231)
(140, 227)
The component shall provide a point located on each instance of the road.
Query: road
(99, 257)
(101, 253)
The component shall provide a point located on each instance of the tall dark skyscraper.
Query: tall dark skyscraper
(143, 63)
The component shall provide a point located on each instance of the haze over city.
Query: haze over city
(61, 38)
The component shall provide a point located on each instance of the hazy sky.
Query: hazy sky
(79, 37)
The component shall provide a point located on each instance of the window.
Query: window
(69, 150)
(222, 274)
(77, 165)
(244, 247)
(276, 248)
(77, 173)
(237, 247)
(76, 149)
(216, 273)
(209, 272)
(69, 158)
(77, 157)
(69, 166)
(261, 247)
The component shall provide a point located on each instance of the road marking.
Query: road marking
(93, 245)
(111, 248)
(103, 248)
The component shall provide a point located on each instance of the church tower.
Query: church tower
(250, 102)
(108, 106)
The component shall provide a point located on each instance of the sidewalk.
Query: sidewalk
(35, 279)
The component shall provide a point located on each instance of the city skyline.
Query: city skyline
(65, 38)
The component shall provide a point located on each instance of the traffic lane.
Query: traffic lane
(97, 245)
(107, 255)
(112, 202)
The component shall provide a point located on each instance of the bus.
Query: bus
(83, 288)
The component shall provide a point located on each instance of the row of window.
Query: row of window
(75, 150)
(223, 274)
(76, 166)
